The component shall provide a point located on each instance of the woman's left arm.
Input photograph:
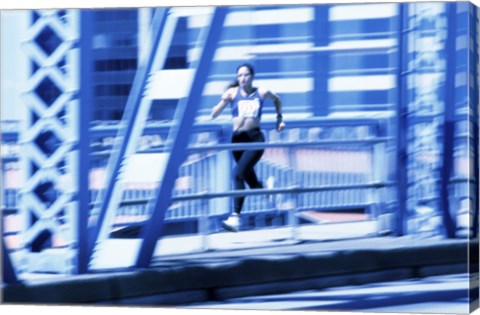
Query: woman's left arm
(267, 94)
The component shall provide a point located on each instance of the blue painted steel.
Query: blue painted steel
(473, 65)
(402, 126)
(84, 117)
(293, 190)
(131, 110)
(473, 189)
(9, 274)
(324, 191)
(321, 61)
(449, 122)
(186, 113)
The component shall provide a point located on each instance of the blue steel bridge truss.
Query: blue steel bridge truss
(56, 134)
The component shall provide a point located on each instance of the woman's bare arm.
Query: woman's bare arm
(226, 98)
(267, 94)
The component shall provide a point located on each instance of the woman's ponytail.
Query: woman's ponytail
(233, 84)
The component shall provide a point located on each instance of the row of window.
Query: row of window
(115, 65)
(101, 15)
(104, 40)
(127, 64)
(112, 89)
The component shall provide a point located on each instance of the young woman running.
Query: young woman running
(246, 106)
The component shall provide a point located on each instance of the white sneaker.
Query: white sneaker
(232, 224)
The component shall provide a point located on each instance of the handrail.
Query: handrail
(289, 190)
(245, 193)
(255, 192)
(307, 122)
(264, 145)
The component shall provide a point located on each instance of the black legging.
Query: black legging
(246, 160)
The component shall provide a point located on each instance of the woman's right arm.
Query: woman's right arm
(217, 109)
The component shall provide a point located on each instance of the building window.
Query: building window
(102, 90)
(115, 65)
(178, 62)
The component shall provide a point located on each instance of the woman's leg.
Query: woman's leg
(252, 180)
(251, 177)
(244, 171)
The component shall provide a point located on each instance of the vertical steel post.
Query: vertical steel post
(449, 122)
(84, 116)
(220, 179)
(321, 33)
(402, 126)
(292, 216)
(50, 144)
(473, 68)
(186, 112)
(203, 224)
(295, 197)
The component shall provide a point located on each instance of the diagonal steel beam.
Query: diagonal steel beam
(131, 126)
(186, 112)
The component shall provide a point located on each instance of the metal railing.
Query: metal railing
(297, 187)
(303, 183)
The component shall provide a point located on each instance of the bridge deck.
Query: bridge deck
(251, 263)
